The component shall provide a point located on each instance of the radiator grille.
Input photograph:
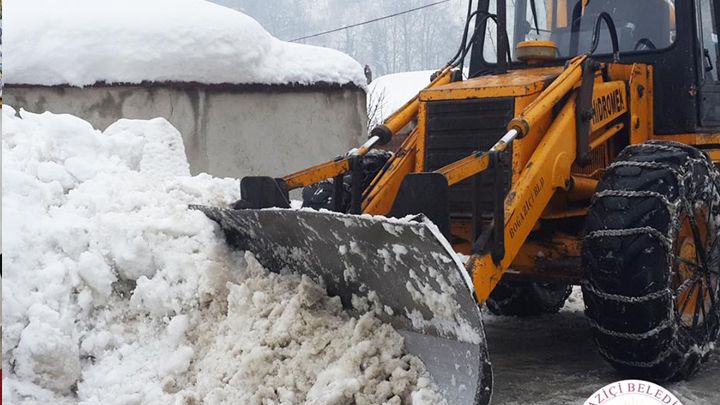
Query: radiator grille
(456, 128)
(597, 160)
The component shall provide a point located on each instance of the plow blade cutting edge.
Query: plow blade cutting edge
(407, 267)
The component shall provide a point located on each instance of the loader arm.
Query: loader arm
(547, 171)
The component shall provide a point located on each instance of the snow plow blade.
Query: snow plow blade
(407, 267)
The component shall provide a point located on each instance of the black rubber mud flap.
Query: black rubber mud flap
(406, 268)
(427, 194)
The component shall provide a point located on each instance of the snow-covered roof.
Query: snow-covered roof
(388, 93)
(83, 42)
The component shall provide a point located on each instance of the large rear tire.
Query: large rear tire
(527, 298)
(652, 261)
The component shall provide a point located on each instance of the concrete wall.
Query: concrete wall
(228, 131)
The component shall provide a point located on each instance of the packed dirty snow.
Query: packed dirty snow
(388, 93)
(81, 42)
(114, 292)
(302, 347)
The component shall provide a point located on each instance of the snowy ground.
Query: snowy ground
(552, 360)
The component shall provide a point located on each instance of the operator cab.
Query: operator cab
(641, 26)
(678, 38)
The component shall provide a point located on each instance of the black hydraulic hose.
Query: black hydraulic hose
(613, 34)
(474, 37)
(459, 58)
(533, 8)
(503, 44)
(467, 28)
(575, 29)
(464, 39)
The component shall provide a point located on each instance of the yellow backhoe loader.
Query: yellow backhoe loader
(579, 146)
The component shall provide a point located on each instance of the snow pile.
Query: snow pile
(82, 42)
(97, 243)
(114, 292)
(302, 347)
(388, 93)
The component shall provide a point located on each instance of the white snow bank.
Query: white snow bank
(98, 243)
(388, 93)
(114, 292)
(81, 42)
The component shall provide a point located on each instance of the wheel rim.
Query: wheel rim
(695, 277)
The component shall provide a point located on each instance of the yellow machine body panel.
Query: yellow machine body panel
(512, 84)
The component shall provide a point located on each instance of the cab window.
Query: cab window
(570, 23)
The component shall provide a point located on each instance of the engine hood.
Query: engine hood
(516, 83)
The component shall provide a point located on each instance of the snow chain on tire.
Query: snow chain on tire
(632, 265)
